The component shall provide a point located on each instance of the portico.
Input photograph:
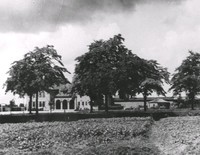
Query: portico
(64, 104)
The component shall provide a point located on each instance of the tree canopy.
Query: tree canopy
(102, 70)
(187, 77)
(153, 77)
(109, 67)
(39, 70)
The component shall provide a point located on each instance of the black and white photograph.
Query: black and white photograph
(100, 77)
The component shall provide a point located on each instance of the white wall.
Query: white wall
(83, 102)
(43, 98)
(130, 104)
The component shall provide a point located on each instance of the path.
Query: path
(177, 135)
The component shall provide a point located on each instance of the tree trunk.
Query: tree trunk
(192, 104)
(53, 93)
(191, 99)
(110, 100)
(100, 101)
(36, 103)
(91, 106)
(145, 101)
(106, 103)
(30, 104)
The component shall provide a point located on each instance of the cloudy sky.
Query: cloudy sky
(163, 30)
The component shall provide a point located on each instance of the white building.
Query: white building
(62, 102)
(43, 101)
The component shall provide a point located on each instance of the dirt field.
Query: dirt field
(113, 136)
(177, 135)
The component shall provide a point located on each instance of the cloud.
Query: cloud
(47, 15)
(163, 30)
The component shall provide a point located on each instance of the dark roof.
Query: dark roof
(66, 96)
(159, 100)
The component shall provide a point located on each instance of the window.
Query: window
(83, 103)
(43, 104)
(40, 104)
(33, 104)
(71, 104)
(40, 94)
(78, 103)
(21, 105)
(58, 104)
(64, 103)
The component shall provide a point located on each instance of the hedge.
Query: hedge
(17, 118)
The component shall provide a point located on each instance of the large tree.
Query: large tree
(187, 77)
(39, 70)
(153, 77)
(19, 80)
(130, 79)
(86, 88)
(103, 69)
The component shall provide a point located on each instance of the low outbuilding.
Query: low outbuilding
(159, 103)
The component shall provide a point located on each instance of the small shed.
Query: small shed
(160, 103)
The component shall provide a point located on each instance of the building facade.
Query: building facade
(138, 103)
(61, 102)
(43, 101)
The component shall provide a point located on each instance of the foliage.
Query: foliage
(39, 70)
(152, 79)
(48, 68)
(187, 77)
(107, 67)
